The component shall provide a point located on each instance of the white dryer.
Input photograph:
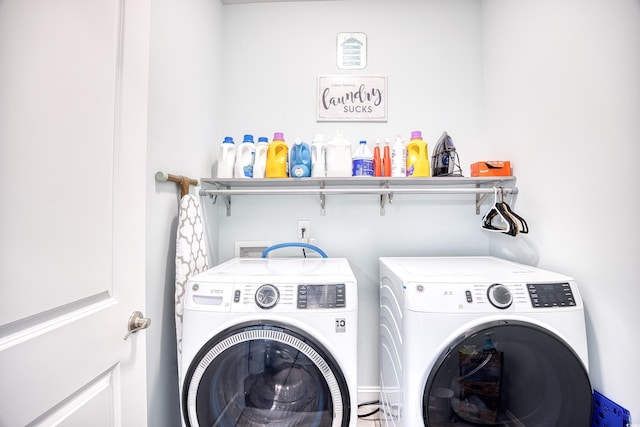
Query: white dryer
(271, 342)
(471, 341)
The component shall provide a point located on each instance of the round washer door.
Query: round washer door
(264, 375)
(508, 373)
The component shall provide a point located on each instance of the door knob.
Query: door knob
(136, 323)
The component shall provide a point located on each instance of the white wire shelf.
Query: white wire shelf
(481, 187)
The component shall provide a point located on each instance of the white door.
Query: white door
(73, 117)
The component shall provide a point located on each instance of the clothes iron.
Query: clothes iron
(445, 161)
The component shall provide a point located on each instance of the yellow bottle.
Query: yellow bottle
(417, 156)
(277, 157)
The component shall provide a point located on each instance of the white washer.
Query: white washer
(271, 342)
(470, 341)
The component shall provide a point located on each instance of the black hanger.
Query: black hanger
(499, 211)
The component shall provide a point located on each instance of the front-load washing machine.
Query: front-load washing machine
(472, 341)
(270, 342)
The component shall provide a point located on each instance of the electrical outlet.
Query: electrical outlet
(304, 225)
(251, 248)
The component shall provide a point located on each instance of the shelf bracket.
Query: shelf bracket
(227, 202)
(226, 198)
(384, 197)
(323, 200)
(481, 197)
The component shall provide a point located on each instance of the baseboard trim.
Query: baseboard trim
(368, 394)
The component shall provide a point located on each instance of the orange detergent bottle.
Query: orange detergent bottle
(377, 160)
(277, 157)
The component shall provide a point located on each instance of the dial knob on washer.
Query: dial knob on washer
(499, 296)
(267, 296)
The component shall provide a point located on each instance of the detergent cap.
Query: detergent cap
(248, 138)
(228, 140)
(297, 141)
(278, 136)
(318, 138)
(263, 139)
(416, 134)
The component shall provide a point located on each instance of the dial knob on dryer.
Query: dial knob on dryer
(267, 296)
(499, 296)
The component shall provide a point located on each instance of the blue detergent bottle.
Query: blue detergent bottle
(488, 346)
(300, 160)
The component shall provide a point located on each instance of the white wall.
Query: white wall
(184, 115)
(431, 53)
(563, 101)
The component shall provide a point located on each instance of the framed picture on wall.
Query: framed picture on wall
(355, 98)
(351, 51)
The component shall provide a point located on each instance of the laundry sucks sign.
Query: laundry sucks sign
(352, 98)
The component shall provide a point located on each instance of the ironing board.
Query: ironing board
(191, 257)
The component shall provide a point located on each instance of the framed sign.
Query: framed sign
(352, 51)
(352, 98)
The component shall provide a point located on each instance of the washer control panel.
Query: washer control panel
(319, 296)
(544, 295)
(274, 296)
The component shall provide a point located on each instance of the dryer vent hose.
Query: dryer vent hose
(294, 245)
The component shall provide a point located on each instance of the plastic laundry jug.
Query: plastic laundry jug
(417, 157)
(377, 159)
(260, 162)
(300, 160)
(277, 157)
(362, 160)
(398, 159)
(318, 160)
(386, 159)
(226, 158)
(244, 158)
(338, 157)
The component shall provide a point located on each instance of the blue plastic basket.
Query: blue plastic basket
(607, 413)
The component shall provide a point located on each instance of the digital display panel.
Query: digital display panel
(550, 295)
(321, 296)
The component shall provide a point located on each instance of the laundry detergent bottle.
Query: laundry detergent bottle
(277, 157)
(245, 157)
(377, 159)
(338, 156)
(362, 160)
(300, 160)
(398, 159)
(386, 158)
(226, 158)
(318, 160)
(417, 157)
(260, 162)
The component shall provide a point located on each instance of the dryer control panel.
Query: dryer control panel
(551, 295)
